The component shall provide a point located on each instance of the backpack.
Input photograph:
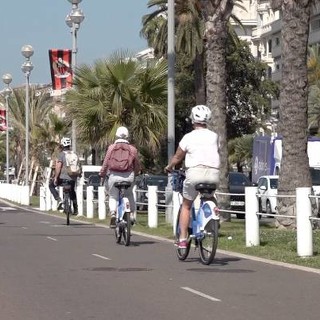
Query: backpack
(73, 167)
(121, 158)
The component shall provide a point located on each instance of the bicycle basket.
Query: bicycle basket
(177, 180)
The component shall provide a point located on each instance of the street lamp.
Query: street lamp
(73, 21)
(27, 67)
(7, 78)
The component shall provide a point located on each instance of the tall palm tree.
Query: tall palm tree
(217, 14)
(189, 35)
(120, 91)
(293, 101)
(40, 107)
(189, 32)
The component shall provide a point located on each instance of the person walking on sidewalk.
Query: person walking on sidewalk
(121, 163)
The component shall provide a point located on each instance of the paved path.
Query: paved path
(52, 271)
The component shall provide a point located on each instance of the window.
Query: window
(270, 46)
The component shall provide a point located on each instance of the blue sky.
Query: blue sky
(109, 25)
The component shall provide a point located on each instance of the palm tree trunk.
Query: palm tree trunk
(199, 79)
(216, 36)
(293, 105)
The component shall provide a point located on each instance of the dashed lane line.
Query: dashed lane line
(53, 239)
(201, 294)
(101, 257)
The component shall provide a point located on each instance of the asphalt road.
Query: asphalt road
(50, 271)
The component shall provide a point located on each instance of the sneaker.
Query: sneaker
(132, 220)
(183, 244)
(113, 221)
(75, 210)
(60, 205)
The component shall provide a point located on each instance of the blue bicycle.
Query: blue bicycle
(204, 223)
(123, 222)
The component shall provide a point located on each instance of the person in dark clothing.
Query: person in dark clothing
(61, 174)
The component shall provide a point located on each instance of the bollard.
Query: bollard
(252, 219)
(152, 206)
(101, 203)
(25, 197)
(80, 199)
(304, 227)
(48, 198)
(90, 202)
(176, 202)
(43, 206)
(169, 209)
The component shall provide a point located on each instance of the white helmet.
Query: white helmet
(200, 114)
(65, 142)
(122, 132)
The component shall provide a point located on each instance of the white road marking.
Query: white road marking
(99, 256)
(45, 222)
(53, 239)
(24, 227)
(200, 294)
(8, 209)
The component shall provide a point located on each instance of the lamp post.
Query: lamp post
(27, 67)
(7, 78)
(73, 21)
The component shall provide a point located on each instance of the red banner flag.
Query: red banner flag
(61, 69)
(3, 122)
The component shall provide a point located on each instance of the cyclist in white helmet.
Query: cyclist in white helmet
(61, 174)
(200, 149)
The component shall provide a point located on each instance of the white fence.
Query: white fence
(304, 218)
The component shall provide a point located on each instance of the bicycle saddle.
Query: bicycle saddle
(206, 187)
(122, 184)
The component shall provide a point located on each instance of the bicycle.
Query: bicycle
(123, 223)
(67, 203)
(204, 224)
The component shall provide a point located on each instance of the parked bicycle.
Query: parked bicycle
(204, 223)
(123, 222)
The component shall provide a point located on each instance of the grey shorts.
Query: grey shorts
(197, 175)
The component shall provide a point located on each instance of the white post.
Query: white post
(176, 202)
(90, 202)
(252, 219)
(48, 198)
(42, 198)
(25, 199)
(168, 202)
(101, 203)
(304, 227)
(80, 199)
(152, 206)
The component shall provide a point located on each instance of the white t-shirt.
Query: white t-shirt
(201, 147)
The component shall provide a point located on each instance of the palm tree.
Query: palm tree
(293, 102)
(217, 14)
(120, 91)
(189, 35)
(240, 151)
(314, 89)
(40, 108)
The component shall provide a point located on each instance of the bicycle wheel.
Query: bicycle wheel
(182, 254)
(126, 229)
(117, 233)
(208, 244)
(67, 206)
